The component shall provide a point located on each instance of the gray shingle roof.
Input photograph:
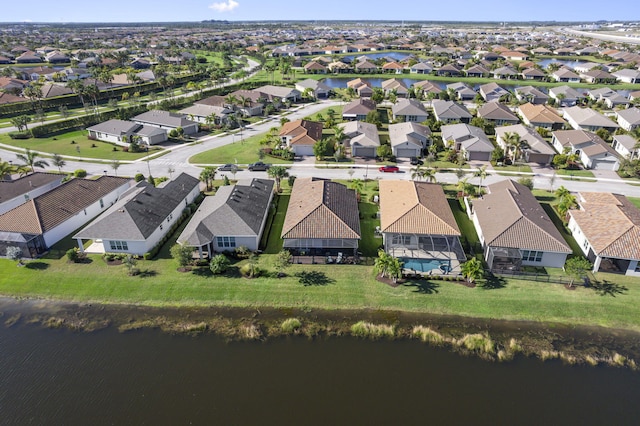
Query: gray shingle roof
(10, 189)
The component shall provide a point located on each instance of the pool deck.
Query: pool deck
(428, 255)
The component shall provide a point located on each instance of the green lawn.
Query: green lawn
(274, 241)
(576, 173)
(83, 147)
(635, 201)
(520, 168)
(241, 151)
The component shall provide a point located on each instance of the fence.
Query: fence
(532, 276)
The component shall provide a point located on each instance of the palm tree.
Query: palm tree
(417, 172)
(482, 174)
(382, 263)
(278, 173)
(30, 160)
(115, 164)
(58, 161)
(357, 185)
(429, 175)
(339, 133)
(472, 269)
(562, 192)
(566, 203)
(208, 175)
(5, 169)
(512, 140)
(463, 186)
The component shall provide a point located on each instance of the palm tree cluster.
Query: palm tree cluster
(567, 201)
(423, 173)
(30, 159)
(387, 265)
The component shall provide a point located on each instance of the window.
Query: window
(531, 256)
(226, 241)
(101, 203)
(118, 245)
(401, 240)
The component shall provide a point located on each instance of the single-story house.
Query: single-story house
(166, 120)
(505, 73)
(394, 85)
(515, 230)
(421, 68)
(588, 119)
(607, 229)
(449, 70)
(497, 113)
(565, 75)
(14, 192)
(448, 111)
(492, 92)
(427, 87)
(598, 76)
(40, 222)
(594, 153)
(121, 132)
(409, 139)
(626, 145)
(283, 93)
(566, 96)
(609, 97)
(301, 135)
(628, 76)
(409, 110)
(540, 116)
(534, 148)
(235, 216)
(531, 94)
(318, 89)
(418, 226)
(314, 67)
(470, 140)
(141, 217)
(477, 71)
(629, 119)
(322, 218)
(364, 139)
(358, 109)
(202, 113)
(533, 74)
(463, 92)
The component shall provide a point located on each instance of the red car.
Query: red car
(389, 169)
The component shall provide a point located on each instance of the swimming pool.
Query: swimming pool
(426, 265)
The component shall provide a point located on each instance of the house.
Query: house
(57, 57)
(497, 113)
(565, 75)
(364, 139)
(421, 68)
(366, 67)
(282, 93)
(358, 109)
(477, 71)
(629, 119)
(14, 192)
(37, 224)
(301, 135)
(627, 146)
(409, 110)
(566, 96)
(427, 87)
(409, 139)
(166, 120)
(463, 92)
(53, 90)
(209, 114)
(122, 132)
(8, 98)
(470, 140)
(393, 67)
(598, 76)
(249, 102)
(515, 230)
(28, 57)
(12, 85)
(141, 217)
(588, 119)
(314, 67)
(627, 76)
(318, 89)
(395, 85)
(449, 111)
(534, 148)
(607, 229)
(540, 116)
(531, 94)
(338, 67)
(449, 70)
(594, 153)
(492, 92)
(322, 218)
(234, 217)
(418, 226)
(505, 73)
(533, 74)
(511, 55)
(609, 97)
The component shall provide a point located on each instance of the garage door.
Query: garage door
(480, 156)
(303, 150)
(602, 165)
(406, 153)
(365, 152)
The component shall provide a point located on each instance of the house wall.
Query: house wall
(250, 242)
(155, 139)
(579, 236)
(105, 137)
(21, 199)
(64, 229)
(550, 260)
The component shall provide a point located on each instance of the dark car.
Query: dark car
(259, 166)
(415, 161)
(389, 169)
(228, 168)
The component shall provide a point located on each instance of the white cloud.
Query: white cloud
(223, 6)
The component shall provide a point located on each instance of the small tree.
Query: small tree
(130, 263)
(182, 254)
(282, 261)
(384, 151)
(151, 180)
(526, 181)
(219, 264)
(58, 161)
(15, 253)
(577, 268)
(472, 269)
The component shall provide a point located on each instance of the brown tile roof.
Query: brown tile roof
(10, 189)
(510, 216)
(415, 208)
(302, 132)
(540, 114)
(611, 224)
(49, 210)
(321, 209)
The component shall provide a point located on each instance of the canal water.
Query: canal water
(52, 377)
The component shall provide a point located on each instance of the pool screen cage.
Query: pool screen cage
(504, 259)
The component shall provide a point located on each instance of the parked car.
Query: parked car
(415, 161)
(389, 169)
(228, 168)
(259, 166)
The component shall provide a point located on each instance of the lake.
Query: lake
(50, 376)
(373, 56)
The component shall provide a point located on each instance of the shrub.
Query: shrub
(72, 255)
(427, 335)
(250, 332)
(250, 270)
(182, 254)
(80, 173)
(20, 135)
(290, 325)
(139, 177)
(14, 253)
(242, 252)
(372, 331)
(477, 343)
(219, 264)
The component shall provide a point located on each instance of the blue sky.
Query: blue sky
(237, 10)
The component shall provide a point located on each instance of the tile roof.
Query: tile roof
(540, 114)
(360, 106)
(10, 189)
(321, 209)
(534, 142)
(411, 207)
(163, 118)
(510, 216)
(588, 117)
(611, 224)
(49, 210)
(302, 132)
(496, 111)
